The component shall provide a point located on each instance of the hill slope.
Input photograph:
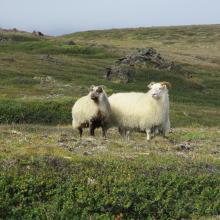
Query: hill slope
(54, 69)
(48, 172)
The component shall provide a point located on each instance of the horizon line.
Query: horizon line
(113, 28)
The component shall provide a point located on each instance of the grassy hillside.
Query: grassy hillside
(50, 69)
(47, 172)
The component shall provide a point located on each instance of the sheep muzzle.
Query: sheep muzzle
(94, 96)
(155, 96)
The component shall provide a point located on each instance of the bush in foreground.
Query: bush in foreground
(53, 188)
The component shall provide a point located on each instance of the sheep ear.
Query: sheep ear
(103, 86)
(167, 84)
(150, 85)
(91, 87)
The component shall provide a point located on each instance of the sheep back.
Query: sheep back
(83, 111)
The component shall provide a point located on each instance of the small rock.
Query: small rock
(38, 33)
(101, 148)
(66, 147)
(184, 146)
(8, 163)
(63, 138)
(214, 152)
(87, 153)
(71, 42)
(180, 154)
(91, 181)
(61, 144)
(89, 139)
(16, 132)
(125, 73)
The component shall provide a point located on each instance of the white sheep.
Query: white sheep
(92, 111)
(146, 112)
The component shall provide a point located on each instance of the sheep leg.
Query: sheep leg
(127, 134)
(148, 132)
(154, 131)
(123, 132)
(80, 131)
(91, 130)
(104, 131)
(120, 130)
(166, 128)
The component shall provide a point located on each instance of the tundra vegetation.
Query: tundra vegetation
(47, 172)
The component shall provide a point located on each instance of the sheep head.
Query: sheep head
(96, 92)
(158, 89)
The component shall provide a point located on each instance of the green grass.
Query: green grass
(47, 172)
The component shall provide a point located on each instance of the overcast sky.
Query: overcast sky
(56, 17)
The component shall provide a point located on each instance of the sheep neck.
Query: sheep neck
(103, 104)
(161, 105)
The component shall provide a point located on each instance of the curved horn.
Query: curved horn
(167, 84)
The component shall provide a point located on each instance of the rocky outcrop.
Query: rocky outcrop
(71, 42)
(146, 55)
(123, 69)
(123, 73)
(38, 33)
(3, 39)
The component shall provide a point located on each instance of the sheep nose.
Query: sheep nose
(92, 96)
(154, 95)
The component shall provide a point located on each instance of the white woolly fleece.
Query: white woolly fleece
(85, 109)
(139, 110)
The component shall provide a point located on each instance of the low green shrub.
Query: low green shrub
(53, 188)
(42, 112)
(23, 38)
(49, 47)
